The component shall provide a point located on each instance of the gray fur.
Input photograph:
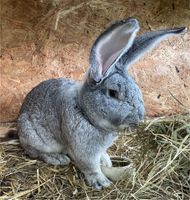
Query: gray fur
(63, 120)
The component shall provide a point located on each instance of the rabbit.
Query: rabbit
(63, 120)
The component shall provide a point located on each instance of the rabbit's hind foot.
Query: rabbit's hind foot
(53, 158)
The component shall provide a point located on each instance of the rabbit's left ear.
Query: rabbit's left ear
(110, 46)
(144, 43)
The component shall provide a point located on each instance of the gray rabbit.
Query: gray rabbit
(63, 120)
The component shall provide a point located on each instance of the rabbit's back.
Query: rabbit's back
(45, 96)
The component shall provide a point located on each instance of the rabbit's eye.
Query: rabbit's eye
(113, 93)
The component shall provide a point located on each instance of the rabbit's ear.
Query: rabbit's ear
(110, 46)
(144, 43)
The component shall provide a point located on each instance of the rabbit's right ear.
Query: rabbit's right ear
(110, 46)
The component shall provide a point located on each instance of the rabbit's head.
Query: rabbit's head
(109, 97)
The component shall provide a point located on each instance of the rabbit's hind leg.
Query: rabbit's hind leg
(50, 157)
(39, 143)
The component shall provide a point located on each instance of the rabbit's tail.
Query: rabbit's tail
(12, 134)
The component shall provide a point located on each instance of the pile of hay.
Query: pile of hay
(159, 148)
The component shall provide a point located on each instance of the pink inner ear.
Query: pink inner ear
(112, 45)
(110, 60)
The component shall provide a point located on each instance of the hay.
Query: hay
(159, 148)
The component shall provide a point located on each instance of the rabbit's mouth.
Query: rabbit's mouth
(126, 123)
(117, 125)
(125, 126)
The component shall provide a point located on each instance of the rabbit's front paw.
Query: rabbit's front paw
(105, 160)
(97, 180)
